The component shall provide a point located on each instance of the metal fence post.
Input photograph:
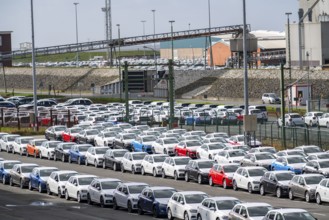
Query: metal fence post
(18, 120)
(51, 117)
(204, 121)
(2, 118)
(216, 119)
(68, 118)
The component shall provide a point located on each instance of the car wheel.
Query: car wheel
(176, 176)
(235, 186)
(163, 174)
(129, 207)
(154, 173)
(104, 165)
(186, 217)
(169, 214)
(79, 197)
(11, 182)
(278, 192)
(318, 199)
(197, 155)
(115, 205)
(210, 181)
(40, 188)
(79, 161)
(210, 157)
(155, 212)
(262, 190)
(199, 217)
(133, 171)
(21, 184)
(187, 179)
(199, 179)
(59, 193)
(115, 167)
(48, 190)
(225, 184)
(7, 150)
(307, 197)
(143, 171)
(89, 202)
(67, 197)
(95, 164)
(70, 159)
(291, 195)
(63, 158)
(30, 186)
(101, 201)
(139, 210)
(122, 168)
(250, 188)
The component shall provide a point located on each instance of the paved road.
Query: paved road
(319, 211)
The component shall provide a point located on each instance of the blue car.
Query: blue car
(39, 177)
(154, 200)
(291, 163)
(5, 167)
(143, 143)
(198, 118)
(77, 153)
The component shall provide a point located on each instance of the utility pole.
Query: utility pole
(210, 42)
(289, 63)
(283, 129)
(119, 60)
(76, 31)
(35, 107)
(126, 92)
(171, 93)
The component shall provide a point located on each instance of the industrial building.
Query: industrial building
(5, 46)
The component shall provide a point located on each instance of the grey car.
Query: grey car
(304, 186)
(258, 159)
(20, 174)
(317, 166)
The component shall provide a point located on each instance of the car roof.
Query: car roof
(254, 204)
(179, 157)
(253, 167)
(160, 187)
(291, 156)
(288, 210)
(10, 161)
(311, 174)
(134, 183)
(28, 164)
(217, 198)
(108, 179)
(65, 171)
(203, 160)
(84, 175)
(191, 192)
(47, 168)
(280, 171)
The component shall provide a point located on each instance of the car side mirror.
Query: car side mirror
(172, 164)
(111, 156)
(284, 163)
(18, 171)
(316, 168)
(75, 184)
(212, 209)
(245, 175)
(37, 176)
(98, 188)
(131, 159)
(181, 202)
(245, 215)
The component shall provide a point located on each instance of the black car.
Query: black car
(7, 104)
(41, 102)
(275, 182)
(317, 166)
(112, 158)
(198, 170)
(77, 101)
(55, 132)
(62, 151)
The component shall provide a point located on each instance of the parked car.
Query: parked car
(267, 149)
(223, 118)
(222, 174)
(77, 153)
(318, 156)
(39, 177)
(152, 164)
(105, 138)
(263, 109)
(87, 136)
(312, 118)
(270, 98)
(183, 205)
(322, 191)
(198, 118)
(309, 149)
(187, 148)
(126, 195)
(290, 163)
(275, 182)
(175, 167)
(70, 134)
(20, 174)
(248, 178)
(55, 132)
(209, 150)
(101, 191)
(7, 142)
(143, 143)
(47, 149)
(292, 152)
(62, 151)
(198, 170)
(319, 166)
(258, 159)
(240, 140)
(292, 119)
(323, 121)
(124, 141)
(304, 186)
(95, 156)
(154, 200)
(32, 148)
(216, 207)
(5, 167)
(113, 158)
(250, 211)
(165, 146)
(20, 144)
(77, 187)
(288, 213)
(229, 156)
(132, 161)
(57, 180)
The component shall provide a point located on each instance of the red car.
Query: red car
(69, 135)
(187, 148)
(222, 174)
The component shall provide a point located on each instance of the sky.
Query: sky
(54, 20)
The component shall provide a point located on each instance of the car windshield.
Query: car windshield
(66, 176)
(100, 150)
(216, 146)
(313, 179)
(293, 160)
(92, 132)
(284, 176)
(221, 135)
(110, 184)
(159, 159)
(195, 198)
(125, 126)
(272, 95)
(119, 153)
(312, 150)
(226, 204)
(256, 172)
(27, 169)
(182, 161)
(230, 168)
(129, 136)
(53, 144)
(136, 189)
(258, 211)
(11, 138)
(84, 148)
(295, 116)
(149, 139)
(240, 138)
(193, 143)
(264, 156)
(138, 156)
(25, 141)
(324, 164)
(205, 164)
(323, 156)
(45, 173)
(269, 150)
(301, 153)
(236, 153)
(85, 180)
(170, 141)
(9, 165)
(39, 143)
(110, 134)
(75, 130)
(218, 139)
(299, 216)
(59, 128)
(165, 193)
(67, 146)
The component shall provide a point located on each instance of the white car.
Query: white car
(292, 119)
(124, 126)
(311, 118)
(132, 161)
(175, 167)
(248, 178)
(229, 156)
(152, 164)
(240, 140)
(77, 187)
(101, 191)
(165, 146)
(57, 180)
(19, 146)
(318, 156)
(250, 211)
(209, 150)
(95, 156)
(324, 120)
(270, 98)
(105, 138)
(47, 149)
(7, 142)
(216, 134)
(322, 191)
(184, 205)
(216, 207)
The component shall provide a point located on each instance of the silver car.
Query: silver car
(101, 191)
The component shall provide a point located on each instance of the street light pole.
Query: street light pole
(210, 42)
(308, 82)
(289, 63)
(246, 95)
(143, 22)
(155, 58)
(119, 61)
(172, 39)
(171, 79)
(76, 31)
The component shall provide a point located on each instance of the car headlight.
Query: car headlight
(255, 182)
(159, 167)
(63, 186)
(224, 217)
(134, 200)
(193, 210)
(162, 205)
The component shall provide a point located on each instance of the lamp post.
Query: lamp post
(76, 30)
(289, 62)
(308, 82)
(210, 43)
(171, 79)
(156, 66)
(143, 22)
(119, 63)
(172, 39)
